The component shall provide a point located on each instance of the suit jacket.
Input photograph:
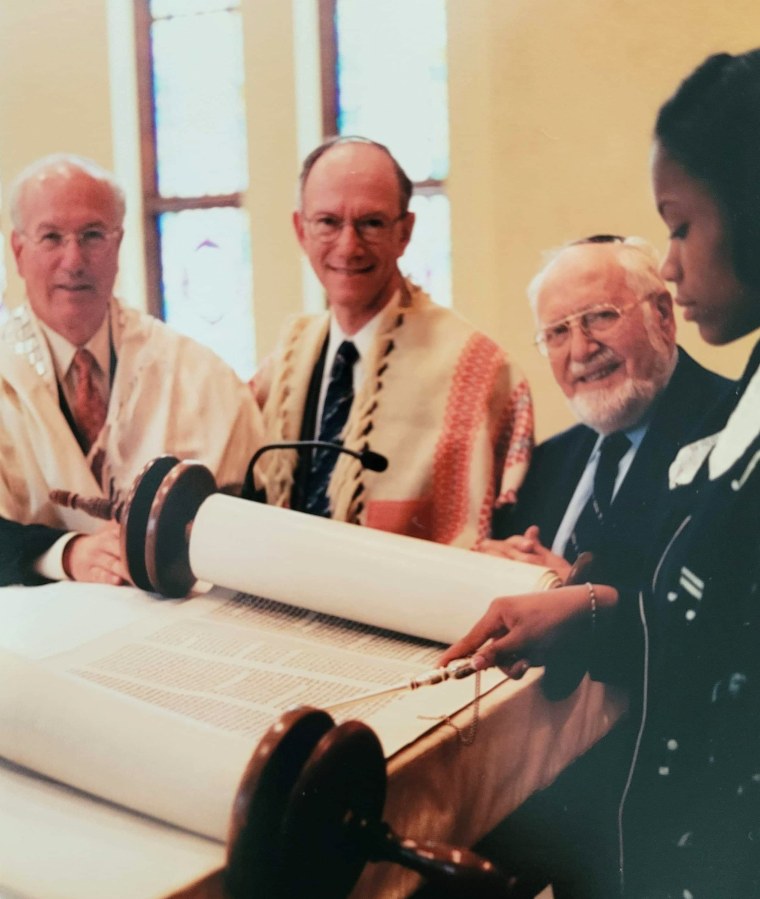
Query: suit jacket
(20, 545)
(683, 412)
(582, 803)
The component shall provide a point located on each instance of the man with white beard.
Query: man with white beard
(605, 323)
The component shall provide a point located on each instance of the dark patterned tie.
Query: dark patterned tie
(588, 528)
(89, 406)
(338, 400)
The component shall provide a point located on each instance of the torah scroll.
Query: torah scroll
(386, 580)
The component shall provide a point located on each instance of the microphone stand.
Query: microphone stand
(370, 460)
(367, 458)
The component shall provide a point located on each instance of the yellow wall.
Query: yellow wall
(54, 87)
(552, 105)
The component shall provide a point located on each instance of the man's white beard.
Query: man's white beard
(607, 410)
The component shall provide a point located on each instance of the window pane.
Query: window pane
(162, 8)
(392, 79)
(207, 283)
(200, 112)
(427, 259)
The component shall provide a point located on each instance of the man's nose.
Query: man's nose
(72, 255)
(348, 240)
(582, 344)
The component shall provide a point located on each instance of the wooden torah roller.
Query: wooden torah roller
(307, 818)
(155, 519)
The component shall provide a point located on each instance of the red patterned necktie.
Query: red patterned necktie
(89, 407)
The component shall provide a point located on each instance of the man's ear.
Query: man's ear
(407, 226)
(298, 227)
(663, 306)
(17, 245)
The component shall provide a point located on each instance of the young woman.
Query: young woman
(690, 814)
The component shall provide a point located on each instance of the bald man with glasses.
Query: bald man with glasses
(385, 368)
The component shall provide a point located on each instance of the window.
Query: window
(194, 171)
(384, 76)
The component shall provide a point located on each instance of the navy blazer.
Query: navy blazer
(682, 413)
(20, 545)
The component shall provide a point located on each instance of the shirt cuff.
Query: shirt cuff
(50, 564)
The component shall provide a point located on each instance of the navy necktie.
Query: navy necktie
(588, 529)
(338, 400)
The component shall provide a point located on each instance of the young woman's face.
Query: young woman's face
(699, 257)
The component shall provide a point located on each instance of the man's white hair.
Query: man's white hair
(639, 260)
(62, 161)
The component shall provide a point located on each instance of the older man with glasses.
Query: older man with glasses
(605, 324)
(90, 390)
(385, 368)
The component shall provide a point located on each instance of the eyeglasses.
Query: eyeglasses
(593, 322)
(369, 228)
(91, 241)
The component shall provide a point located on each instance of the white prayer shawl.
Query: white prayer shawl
(169, 395)
(441, 400)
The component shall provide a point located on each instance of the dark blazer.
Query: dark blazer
(582, 803)
(683, 412)
(20, 545)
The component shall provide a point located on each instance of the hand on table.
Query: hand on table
(96, 558)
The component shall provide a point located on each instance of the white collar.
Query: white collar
(362, 339)
(62, 351)
(740, 431)
(724, 448)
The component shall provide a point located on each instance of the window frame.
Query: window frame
(328, 54)
(153, 203)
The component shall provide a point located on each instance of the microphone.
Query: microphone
(369, 459)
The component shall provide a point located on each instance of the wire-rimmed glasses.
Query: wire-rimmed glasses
(594, 322)
(369, 228)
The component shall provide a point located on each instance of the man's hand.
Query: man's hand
(96, 557)
(528, 548)
(525, 629)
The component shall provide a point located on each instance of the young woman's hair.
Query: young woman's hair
(711, 127)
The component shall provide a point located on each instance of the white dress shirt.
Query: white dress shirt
(362, 340)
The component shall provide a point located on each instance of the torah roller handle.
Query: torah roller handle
(307, 819)
(155, 520)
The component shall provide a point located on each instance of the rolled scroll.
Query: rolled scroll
(400, 583)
